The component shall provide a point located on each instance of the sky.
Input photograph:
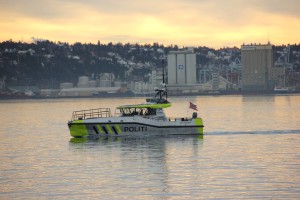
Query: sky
(211, 23)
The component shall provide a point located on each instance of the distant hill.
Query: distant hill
(45, 64)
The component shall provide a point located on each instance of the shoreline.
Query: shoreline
(226, 93)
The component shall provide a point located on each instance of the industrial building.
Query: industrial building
(184, 77)
(257, 67)
(86, 87)
(181, 72)
(182, 67)
(257, 61)
(259, 72)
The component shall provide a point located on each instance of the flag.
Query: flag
(193, 106)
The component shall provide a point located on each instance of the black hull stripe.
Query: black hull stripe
(95, 129)
(115, 130)
(181, 126)
(105, 130)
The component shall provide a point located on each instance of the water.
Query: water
(250, 150)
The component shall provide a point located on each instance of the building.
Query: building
(257, 65)
(156, 77)
(182, 67)
(277, 75)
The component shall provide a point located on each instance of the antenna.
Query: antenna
(162, 91)
(163, 70)
(164, 83)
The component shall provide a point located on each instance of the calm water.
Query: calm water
(250, 150)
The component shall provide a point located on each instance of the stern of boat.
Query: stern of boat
(198, 123)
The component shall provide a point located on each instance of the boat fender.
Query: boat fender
(195, 115)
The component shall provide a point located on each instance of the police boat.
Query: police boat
(144, 119)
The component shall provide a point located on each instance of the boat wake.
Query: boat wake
(268, 132)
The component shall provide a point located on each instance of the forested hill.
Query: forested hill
(46, 64)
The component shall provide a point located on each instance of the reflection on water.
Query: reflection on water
(141, 166)
(101, 140)
(252, 166)
(250, 150)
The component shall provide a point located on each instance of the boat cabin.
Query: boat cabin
(148, 110)
(137, 111)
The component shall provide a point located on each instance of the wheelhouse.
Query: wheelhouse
(137, 111)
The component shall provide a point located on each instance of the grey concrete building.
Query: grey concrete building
(182, 67)
(257, 65)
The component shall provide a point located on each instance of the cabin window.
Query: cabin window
(151, 111)
(125, 112)
(137, 111)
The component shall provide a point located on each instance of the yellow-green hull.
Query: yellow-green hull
(133, 126)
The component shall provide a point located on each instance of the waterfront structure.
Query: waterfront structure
(278, 75)
(182, 67)
(156, 77)
(257, 66)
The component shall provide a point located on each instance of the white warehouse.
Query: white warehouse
(182, 67)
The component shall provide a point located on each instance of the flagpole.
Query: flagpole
(187, 110)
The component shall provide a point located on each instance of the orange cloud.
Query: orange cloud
(188, 23)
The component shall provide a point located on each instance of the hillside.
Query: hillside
(45, 64)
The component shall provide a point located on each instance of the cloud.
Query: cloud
(279, 7)
(44, 9)
(183, 22)
(229, 11)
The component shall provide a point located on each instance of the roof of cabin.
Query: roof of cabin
(154, 106)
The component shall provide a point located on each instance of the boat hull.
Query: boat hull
(135, 126)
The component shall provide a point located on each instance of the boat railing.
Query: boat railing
(179, 119)
(92, 113)
(118, 113)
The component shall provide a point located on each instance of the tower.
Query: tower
(257, 62)
(182, 67)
